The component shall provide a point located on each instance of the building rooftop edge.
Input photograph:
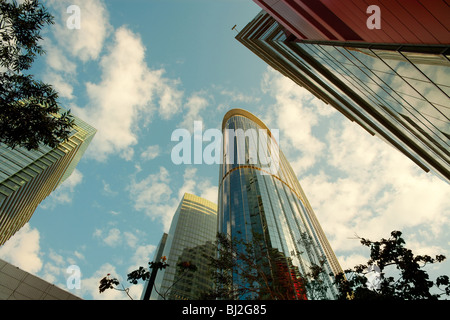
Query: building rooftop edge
(200, 200)
(243, 113)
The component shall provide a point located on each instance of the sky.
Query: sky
(137, 70)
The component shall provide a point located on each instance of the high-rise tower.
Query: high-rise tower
(27, 177)
(191, 238)
(392, 80)
(261, 199)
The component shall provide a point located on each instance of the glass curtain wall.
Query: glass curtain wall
(399, 93)
(269, 207)
(191, 239)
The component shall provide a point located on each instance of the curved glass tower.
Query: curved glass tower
(260, 199)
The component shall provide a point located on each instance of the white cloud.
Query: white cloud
(190, 182)
(56, 258)
(169, 97)
(195, 104)
(23, 250)
(59, 84)
(107, 189)
(142, 255)
(131, 239)
(200, 187)
(115, 101)
(295, 113)
(152, 195)
(128, 94)
(153, 189)
(78, 255)
(61, 71)
(71, 44)
(112, 237)
(150, 153)
(352, 260)
(57, 60)
(236, 96)
(155, 197)
(124, 96)
(87, 42)
(372, 189)
(54, 268)
(208, 191)
(89, 286)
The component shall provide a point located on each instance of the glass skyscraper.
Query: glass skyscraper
(395, 88)
(191, 238)
(27, 177)
(260, 199)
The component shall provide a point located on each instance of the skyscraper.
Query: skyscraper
(261, 199)
(191, 238)
(28, 176)
(422, 22)
(392, 81)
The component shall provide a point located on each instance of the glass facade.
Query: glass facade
(28, 176)
(191, 238)
(270, 207)
(399, 93)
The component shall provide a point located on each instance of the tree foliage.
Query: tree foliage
(243, 272)
(408, 282)
(184, 268)
(29, 113)
(248, 270)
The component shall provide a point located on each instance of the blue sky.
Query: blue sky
(137, 70)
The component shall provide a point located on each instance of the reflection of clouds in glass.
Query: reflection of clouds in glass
(446, 89)
(414, 89)
(435, 67)
(399, 86)
(394, 82)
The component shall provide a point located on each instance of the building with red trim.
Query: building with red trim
(391, 76)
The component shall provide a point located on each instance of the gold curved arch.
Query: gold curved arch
(246, 114)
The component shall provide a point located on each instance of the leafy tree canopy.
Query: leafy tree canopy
(29, 114)
(412, 282)
(144, 274)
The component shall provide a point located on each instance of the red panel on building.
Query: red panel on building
(400, 21)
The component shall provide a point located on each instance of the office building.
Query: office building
(421, 22)
(261, 201)
(394, 81)
(191, 238)
(17, 284)
(27, 177)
